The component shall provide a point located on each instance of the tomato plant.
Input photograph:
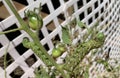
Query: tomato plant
(74, 65)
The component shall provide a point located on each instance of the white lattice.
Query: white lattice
(87, 10)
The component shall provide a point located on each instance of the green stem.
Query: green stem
(34, 37)
(13, 30)
(5, 64)
(21, 21)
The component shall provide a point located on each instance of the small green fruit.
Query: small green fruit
(62, 48)
(100, 36)
(56, 53)
(33, 22)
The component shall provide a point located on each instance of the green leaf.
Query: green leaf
(81, 24)
(66, 36)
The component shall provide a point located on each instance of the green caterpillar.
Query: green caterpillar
(26, 43)
(72, 61)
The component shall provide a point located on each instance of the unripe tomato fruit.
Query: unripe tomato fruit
(62, 48)
(100, 36)
(33, 22)
(56, 52)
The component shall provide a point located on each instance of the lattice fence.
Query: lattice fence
(54, 13)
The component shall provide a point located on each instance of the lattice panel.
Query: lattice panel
(54, 13)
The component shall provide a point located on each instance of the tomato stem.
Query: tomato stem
(9, 31)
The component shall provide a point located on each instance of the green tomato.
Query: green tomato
(33, 22)
(62, 48)
(100, 36)
(56, 52)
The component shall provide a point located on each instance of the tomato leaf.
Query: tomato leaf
(66, 36)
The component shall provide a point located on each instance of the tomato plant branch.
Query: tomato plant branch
(9, 31)
(5, 64)
(35, 38)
